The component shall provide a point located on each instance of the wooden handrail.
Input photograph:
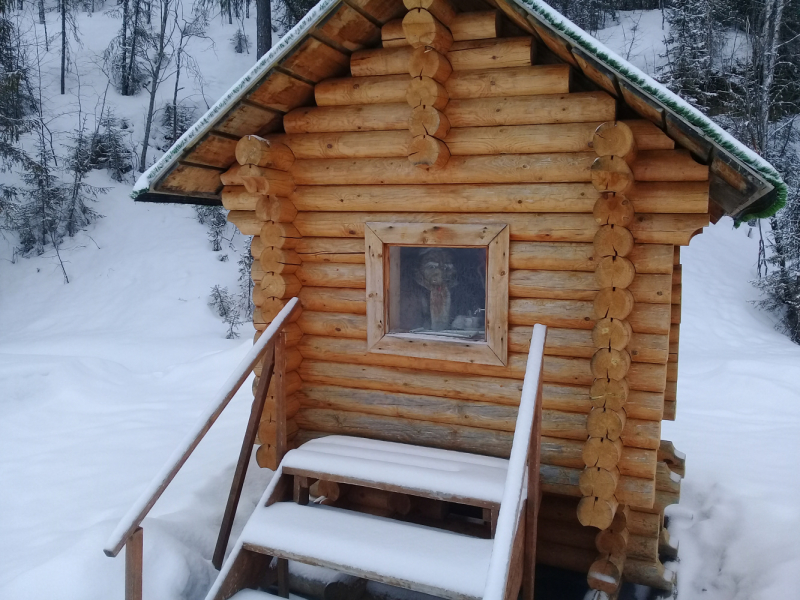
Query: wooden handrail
(129, 524)
(524, 454)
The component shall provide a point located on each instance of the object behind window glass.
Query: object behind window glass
(438, 291)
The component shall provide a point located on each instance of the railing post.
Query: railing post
(280, 398)
(134, 549)
(534, 496)
(267, 372)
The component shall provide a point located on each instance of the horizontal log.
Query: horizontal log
(292, 405)
(340, 300)
(633, 491)
(642, 347)
(566, 256)
(511, 198)
(546, 227)
(510, 168)
(332, 275)
(253, 150)
(571, 534)
(579, 314)
(396, 429)
(649, 573)
(346, 91)
(331, 250)
(246, 221)
(640, 405)
(421, 28)
(564, 556)
(465, 387)
(276, 260)
(273, 208)
(293, 360)
(580, 285)
(519, 139)
(566, 452)
(231, 176)
(472, 55)
(516, 81)
(410, 406)
(381, 61)
(579, 107)
(236, 197)
(367, 117)
(490, 83)
(668, 165)
(464, 26)
(262, 180)
(332, 324)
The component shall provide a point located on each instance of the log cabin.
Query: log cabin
(432, 179)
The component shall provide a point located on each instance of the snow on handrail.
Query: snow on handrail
(136, 514)
(515, 488)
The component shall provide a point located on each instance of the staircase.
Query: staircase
(424, 557)
(286, 526)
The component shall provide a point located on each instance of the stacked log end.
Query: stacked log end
(425, 28)
(256, 194)
(600, 507)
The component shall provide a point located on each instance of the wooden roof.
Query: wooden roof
(319, 48)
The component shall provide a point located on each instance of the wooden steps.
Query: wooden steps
(410, 556)
(424, 472)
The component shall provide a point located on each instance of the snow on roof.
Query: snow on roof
(543, 13)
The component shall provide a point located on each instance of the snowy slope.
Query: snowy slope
(99, 379)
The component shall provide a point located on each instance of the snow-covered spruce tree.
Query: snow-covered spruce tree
(240, 42)
(246, 306)
(17, 107)
(215, 218)
(123, 56)
(224, 304)
(692, 49)
(109, 148)
(76, 213)
(289, 13)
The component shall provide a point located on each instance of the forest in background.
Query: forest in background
(736, 60)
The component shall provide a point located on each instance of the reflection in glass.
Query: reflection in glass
(438, 291)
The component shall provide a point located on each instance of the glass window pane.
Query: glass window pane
(437, 291)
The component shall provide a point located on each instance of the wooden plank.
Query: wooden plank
(668, 165)
(578, 343)
(642, 104)
(214, 151)
(596, 72)
(349, 29)
(381, 11)
(515, 81)
(334, 300)
(186, 179)
(248, 119)
(282, 92)
(555, 43)
(688, 137)
(315, 61)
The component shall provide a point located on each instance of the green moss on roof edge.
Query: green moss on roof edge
(711, 130)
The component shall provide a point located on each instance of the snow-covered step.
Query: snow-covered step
(427, 472)
(257, 595)
(410, 556)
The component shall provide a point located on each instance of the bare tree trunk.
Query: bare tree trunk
(124, 47)
(771, 34)
(263, 27)
(156, 73)
(134, 38)
(63, 44)
(230, 15)
(175, 92)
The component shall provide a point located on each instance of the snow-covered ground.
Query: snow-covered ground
(100, 378)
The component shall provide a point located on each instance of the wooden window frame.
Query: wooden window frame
(494, 237)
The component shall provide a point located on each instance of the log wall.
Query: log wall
(509, 143)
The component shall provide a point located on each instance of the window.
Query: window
(438, 291)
